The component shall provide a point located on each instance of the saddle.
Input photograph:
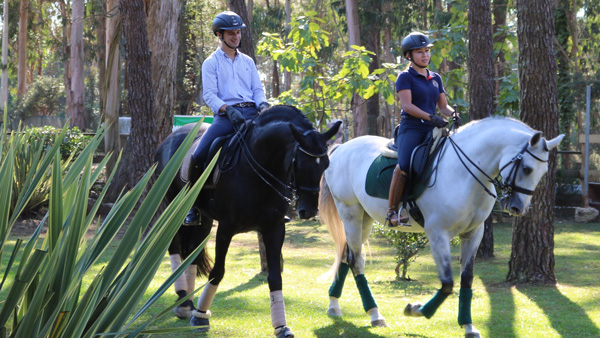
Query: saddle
(229, 157)
(423, 158)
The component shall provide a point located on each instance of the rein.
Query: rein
(504, 187)
(261, 172)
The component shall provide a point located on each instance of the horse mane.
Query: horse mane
(286, 114)
(507, 122)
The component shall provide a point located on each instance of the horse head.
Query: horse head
(524, 171)
(310, 162)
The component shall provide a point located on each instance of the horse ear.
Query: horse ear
(553, 143)
(535, 139)
(332, 131)
(296, 132)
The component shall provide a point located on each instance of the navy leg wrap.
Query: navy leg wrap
(464, 306)
(338, 283)
(433, 304)
(365, 293)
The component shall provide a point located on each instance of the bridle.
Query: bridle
(506, 187)
(272, 181)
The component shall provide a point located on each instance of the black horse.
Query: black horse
(274, 159)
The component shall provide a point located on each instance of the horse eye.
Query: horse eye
(527, 170)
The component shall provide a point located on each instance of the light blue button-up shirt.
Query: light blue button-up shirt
(227, 81)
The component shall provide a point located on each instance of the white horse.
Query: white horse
(459, 197)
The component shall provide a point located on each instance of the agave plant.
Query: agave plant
(47, 297)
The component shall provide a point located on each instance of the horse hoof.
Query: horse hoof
(200, 319)
(334, 312)
(182, 312)
(284, 332)
(413, 310)
(379, 323)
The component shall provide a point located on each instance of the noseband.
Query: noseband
(506, 188)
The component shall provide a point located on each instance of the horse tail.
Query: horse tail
(204, 263)
(329, 215)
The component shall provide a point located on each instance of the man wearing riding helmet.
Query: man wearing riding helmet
(420, 91)
(231, 88)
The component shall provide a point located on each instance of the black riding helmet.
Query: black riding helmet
(414, 40)
(227, 21)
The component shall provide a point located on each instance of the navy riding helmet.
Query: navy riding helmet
(227, 21)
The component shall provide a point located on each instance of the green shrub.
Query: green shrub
(407, 244)
(46, 96)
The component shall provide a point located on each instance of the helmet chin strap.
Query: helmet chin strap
(225, 42)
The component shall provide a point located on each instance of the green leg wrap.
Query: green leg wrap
(338, 283)
(464, 306)
(433, 304)
(365, 293)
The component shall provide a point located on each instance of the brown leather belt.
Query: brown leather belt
(245, 104)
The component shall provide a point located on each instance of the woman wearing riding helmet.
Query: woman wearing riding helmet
(420, 92)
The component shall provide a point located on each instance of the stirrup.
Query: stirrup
(398, 214)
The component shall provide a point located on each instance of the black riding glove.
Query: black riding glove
(234, 116)
(437, 121)
(263, 106)
(457, 119)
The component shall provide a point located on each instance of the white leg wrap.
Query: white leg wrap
(190, 277)
(180, 282)
(277, 309)
(207, 296)
(375, 315)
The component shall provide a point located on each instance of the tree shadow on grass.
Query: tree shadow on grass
(342, 328)
(566, 317)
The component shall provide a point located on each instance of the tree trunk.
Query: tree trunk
(101, 54)
(481, 85)
(163, 28)
(66, 47)
(22, 49)
(4, 80)
(112, 97)
(359, 109)
(373, 101)
(77, 111)
(532, 257)
(499, 34)
(139, 151)
(287, 76)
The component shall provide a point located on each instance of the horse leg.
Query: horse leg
(468, 250)
(202, 314)
(356, 237)
(440, 247)
(182, 289)
(273, 243)
(335, 291)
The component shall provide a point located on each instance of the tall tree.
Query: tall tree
(481, 85)
(532, 256)
(4, 79)
(139, 151)
(77, 109)
(22, 49)
(112, 92)
(163, 29)
(66, 51)
(499, 33)
(359, 109)
(372, 35)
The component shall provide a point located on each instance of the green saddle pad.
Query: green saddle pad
(379, 177)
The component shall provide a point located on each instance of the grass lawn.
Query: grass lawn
(241, 306)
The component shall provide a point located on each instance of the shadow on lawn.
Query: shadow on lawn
(560, 310)
(342, 328)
